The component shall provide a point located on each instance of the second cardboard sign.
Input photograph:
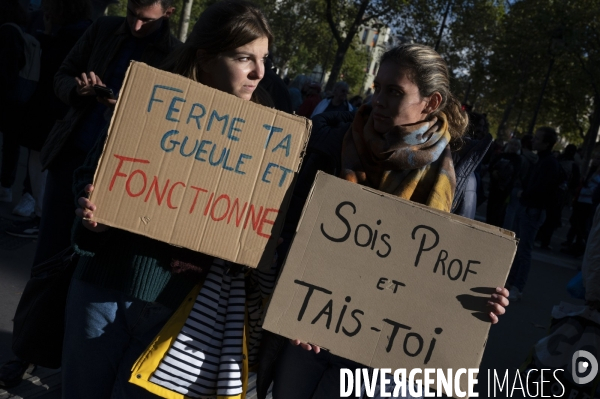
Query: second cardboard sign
(389, 283)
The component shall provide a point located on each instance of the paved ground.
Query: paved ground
(508, 344)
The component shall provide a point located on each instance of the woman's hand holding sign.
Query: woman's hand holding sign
(306, 346)
(497, 303)
(86, 212)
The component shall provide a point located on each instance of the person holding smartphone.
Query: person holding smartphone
(126, 286)
(105, 49)
(100, 57)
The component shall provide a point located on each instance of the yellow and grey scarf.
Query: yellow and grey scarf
(411, 161)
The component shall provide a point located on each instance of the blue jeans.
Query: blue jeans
(527, 223)
(106, 332)
(302, 374)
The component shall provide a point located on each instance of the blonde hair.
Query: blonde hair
(426, 68)
(222, 27)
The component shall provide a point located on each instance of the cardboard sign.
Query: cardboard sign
(197, 167)
(387, 282)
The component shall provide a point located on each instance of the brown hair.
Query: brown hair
(68, 11)
(427, 69)
(224, 26)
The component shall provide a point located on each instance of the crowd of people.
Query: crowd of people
(530, 188)
(410, 138)
(309, 101)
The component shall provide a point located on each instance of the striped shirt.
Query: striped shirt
(206, 358)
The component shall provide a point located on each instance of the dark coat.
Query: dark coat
(542, 189)
(44, 107)
(501, 184)
(94, 52)
(324, 152)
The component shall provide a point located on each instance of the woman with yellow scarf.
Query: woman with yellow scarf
(401, 143)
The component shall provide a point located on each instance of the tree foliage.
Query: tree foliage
(120, 9)
(304, 43)
(499, 52)
(302, 40)
(345, 17)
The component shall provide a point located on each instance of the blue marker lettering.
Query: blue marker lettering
(201, 150)
(172, 109)
(241, 162)
(210, 157)
(271, 129)
(225, 162)
(215, 115)
(288, 140)
(285, 172)
(154, 99)
(196, 117)
(164, 139)
(181, 149)
(232, 129)
(268, 172)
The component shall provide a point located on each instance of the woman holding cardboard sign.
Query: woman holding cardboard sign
(131, 296)
(401, 144)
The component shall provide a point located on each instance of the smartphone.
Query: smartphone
(104, 92)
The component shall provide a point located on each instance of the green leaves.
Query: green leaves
(498, 51)
(501, 52)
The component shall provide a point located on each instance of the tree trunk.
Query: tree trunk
(531, 128)
(343, 42)
(184, 20)
(338, 61)
(518, 122)
(439, 39)
(509, 109)
(590, 138)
